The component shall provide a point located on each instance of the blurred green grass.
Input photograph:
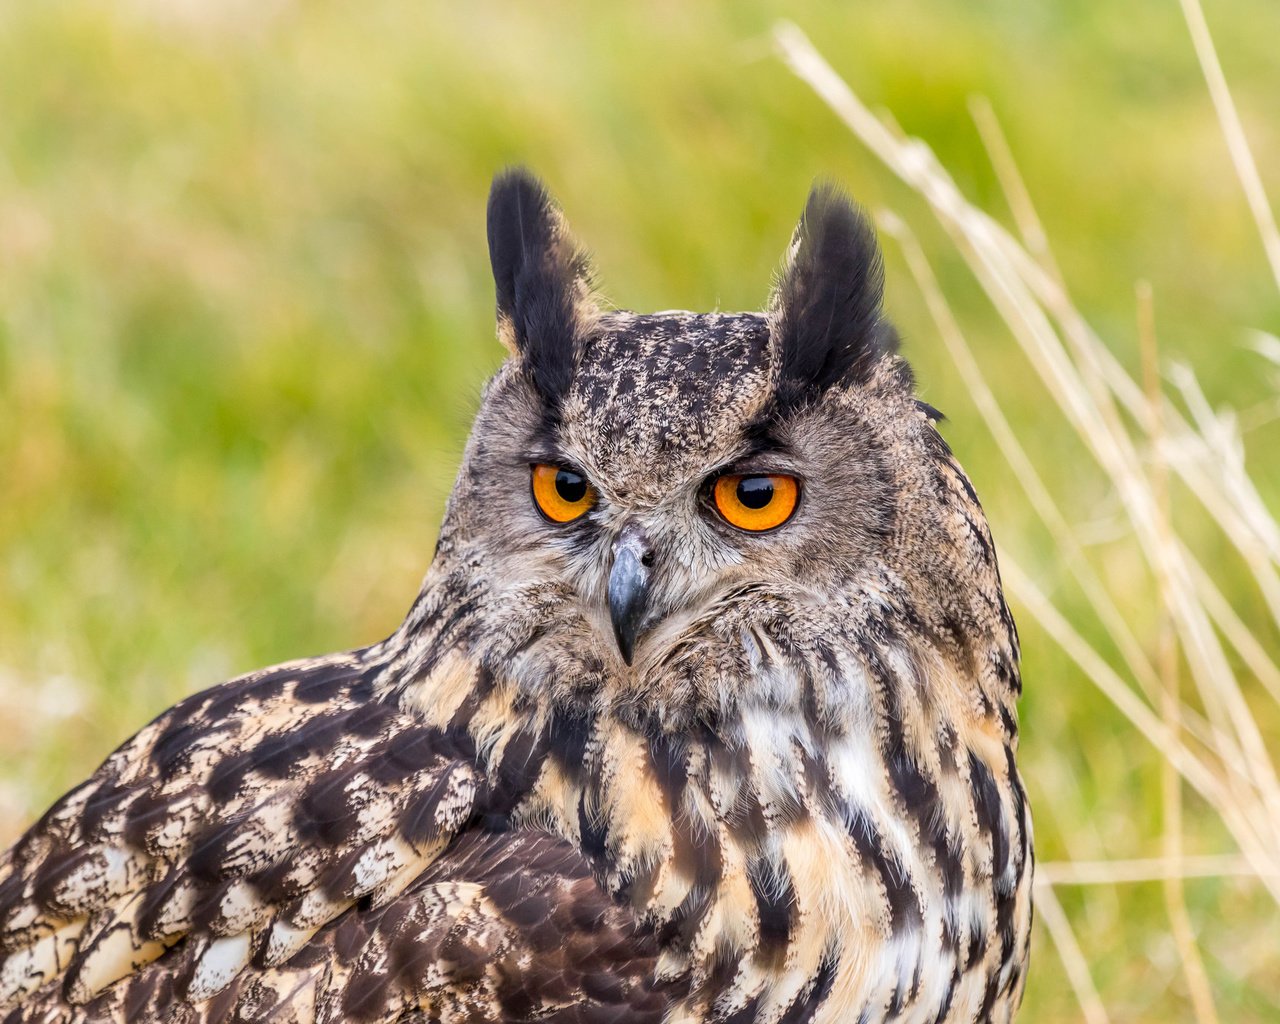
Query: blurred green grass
(245, 309)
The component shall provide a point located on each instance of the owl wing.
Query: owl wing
(503, 927)
(239, 830)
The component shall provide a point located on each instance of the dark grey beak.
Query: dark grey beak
(629, 588)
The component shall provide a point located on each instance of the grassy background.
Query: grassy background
(245, 309)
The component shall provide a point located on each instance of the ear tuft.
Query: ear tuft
(825, 308)
(542, 280)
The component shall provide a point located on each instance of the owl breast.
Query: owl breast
(804, 867)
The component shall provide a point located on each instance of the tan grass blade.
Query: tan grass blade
(1237, 142)
(1051, 914)
(1143, 869)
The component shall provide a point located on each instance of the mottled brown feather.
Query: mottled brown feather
(798, 802)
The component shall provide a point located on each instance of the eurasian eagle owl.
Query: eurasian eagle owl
(705, 712)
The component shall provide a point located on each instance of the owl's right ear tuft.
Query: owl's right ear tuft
(543, 280)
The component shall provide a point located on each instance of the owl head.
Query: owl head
(673, 512)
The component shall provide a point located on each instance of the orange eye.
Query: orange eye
(561, 494)
(756, 503)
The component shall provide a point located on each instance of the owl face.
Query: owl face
(644, 490)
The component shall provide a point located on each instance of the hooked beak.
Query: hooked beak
(629, 588)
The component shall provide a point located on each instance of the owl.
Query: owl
(705, 712)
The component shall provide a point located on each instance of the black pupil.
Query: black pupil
(755, 491)
(570, 486)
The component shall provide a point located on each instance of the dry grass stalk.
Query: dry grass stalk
(1142, 869)
(1237, 142)
(1167, 657)
(1054, 918)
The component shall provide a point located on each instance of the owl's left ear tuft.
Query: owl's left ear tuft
(825, 310)
(542, 279)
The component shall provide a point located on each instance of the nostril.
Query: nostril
(633, 540)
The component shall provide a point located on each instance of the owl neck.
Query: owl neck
(802, 818)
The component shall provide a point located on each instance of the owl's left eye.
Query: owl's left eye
(561, 494)
(756, 503)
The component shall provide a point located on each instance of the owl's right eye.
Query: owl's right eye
(561, 494)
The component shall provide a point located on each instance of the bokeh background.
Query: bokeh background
(245, 311)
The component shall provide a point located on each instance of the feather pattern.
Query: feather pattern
(799, 803)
